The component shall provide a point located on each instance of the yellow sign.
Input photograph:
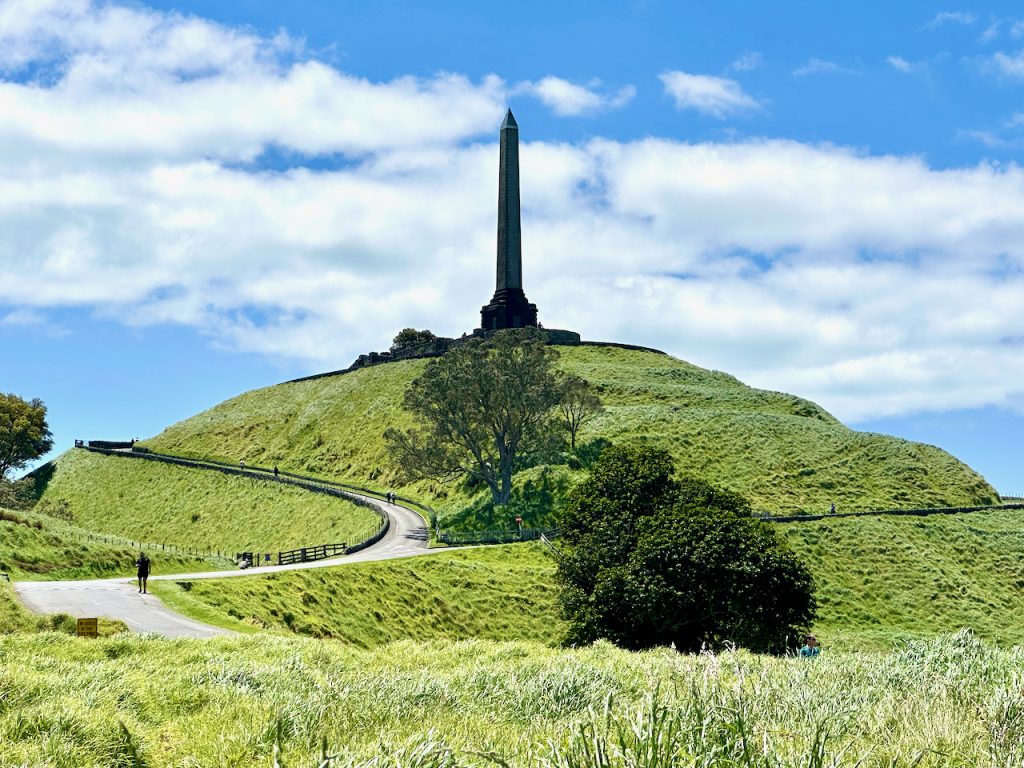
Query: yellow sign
(88, 628)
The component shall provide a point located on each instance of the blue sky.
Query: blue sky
(201, 198)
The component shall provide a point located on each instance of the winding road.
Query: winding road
(120, 599)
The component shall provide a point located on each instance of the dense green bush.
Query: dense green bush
(654, 560)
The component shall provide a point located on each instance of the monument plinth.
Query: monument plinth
(509, 307)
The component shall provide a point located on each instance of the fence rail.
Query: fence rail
(315, 485)
(769, 518)
(461, 538)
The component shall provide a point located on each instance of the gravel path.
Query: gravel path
(120, 598)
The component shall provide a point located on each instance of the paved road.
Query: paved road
(120, 599)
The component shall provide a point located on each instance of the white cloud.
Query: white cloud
(952, 17)
(1011, 65)
(1017, 29)
(567, 99)
(747, 62)
(874, 285)
(991, 32)
(820, 66)
(901, 65)
(715, 96)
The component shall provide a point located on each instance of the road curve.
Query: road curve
(120, 599)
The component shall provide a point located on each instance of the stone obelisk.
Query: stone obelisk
(509, 307)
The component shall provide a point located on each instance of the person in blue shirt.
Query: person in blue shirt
(810, 648)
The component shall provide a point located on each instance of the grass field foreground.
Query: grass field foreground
(952, 701)
(211, 511)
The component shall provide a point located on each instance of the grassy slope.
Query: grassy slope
(880, 580)
(34, 546)
(137, 701)
(497, 593)
(161, 503)
(784, 453)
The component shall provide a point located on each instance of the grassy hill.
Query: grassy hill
(160, 503)
(133, 701)
(881, 580)
(784, 453)
(497, 593)
(36, 546)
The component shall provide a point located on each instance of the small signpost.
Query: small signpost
(88, 628)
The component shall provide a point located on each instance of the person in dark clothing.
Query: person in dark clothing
(143, 565)
(275, 471)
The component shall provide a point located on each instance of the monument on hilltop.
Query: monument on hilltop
(509, 307)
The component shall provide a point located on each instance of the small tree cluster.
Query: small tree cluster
(410, 337)
(650, 560)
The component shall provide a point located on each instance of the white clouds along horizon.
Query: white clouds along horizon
(853, 279)
(718, 97)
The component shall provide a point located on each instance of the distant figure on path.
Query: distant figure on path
(143, 565)
(275, 470)
(810, 649)
(832, 510)
(242, 463)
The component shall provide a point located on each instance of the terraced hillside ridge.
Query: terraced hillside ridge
(784, 453)
(211, 511)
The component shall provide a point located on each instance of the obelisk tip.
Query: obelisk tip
(509, 121)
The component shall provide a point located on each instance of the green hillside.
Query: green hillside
(883, 578)
(782, 452)
(161, 503)
(35, 546)
(880, 580)
(497, 593)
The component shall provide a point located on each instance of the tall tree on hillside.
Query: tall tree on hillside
(478, 407)
(579, 404)
(24, 434)
(650, 559)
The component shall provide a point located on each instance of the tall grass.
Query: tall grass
(952, 701)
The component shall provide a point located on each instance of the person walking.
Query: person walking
(143, 570)
(810, 649)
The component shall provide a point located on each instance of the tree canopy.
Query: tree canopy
(24, 434)
(651, 559)
(578, 405)
(478, 406)
(409, 337)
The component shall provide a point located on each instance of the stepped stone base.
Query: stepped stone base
(509, 308)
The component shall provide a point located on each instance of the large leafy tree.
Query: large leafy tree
(478, 407)
(649, 559)
(24, 434)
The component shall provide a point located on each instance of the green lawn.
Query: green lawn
(166, 504)
(498, 593)
(132, 701)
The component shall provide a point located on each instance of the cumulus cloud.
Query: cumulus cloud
(716, 96)
(901, 64)
(875, 285)
(568, 99)
(952, 17)
(820, 66)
